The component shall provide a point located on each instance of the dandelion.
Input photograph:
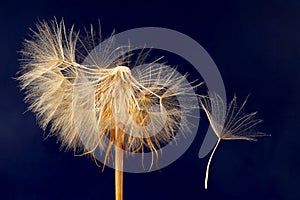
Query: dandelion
(87, 96)
(228, 123)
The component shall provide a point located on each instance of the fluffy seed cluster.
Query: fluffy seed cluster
(83, 95)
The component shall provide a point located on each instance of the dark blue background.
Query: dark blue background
(255, 44)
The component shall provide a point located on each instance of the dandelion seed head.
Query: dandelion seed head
(84, 94)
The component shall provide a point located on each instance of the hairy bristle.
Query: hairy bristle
(230, 123)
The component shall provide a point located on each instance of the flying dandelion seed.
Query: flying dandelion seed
(228, 123)
(101, 99)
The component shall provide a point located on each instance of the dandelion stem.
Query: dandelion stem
(208, 164)
(119, 139)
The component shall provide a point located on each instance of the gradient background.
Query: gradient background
(256, 46)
